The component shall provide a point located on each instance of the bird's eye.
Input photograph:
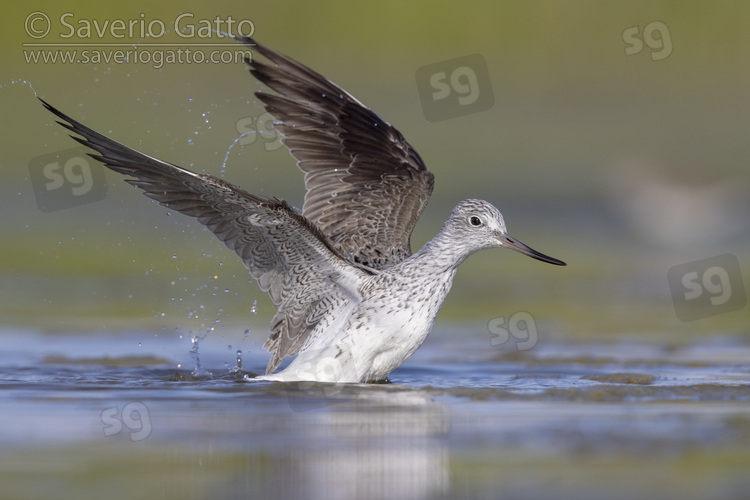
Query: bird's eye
(475, 221)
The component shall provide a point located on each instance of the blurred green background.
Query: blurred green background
(622, 165)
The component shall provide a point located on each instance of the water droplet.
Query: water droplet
(247, 333)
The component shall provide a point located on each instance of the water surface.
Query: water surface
(125, 415)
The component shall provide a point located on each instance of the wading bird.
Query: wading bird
(353, 302)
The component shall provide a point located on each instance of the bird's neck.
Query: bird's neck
(442, 253)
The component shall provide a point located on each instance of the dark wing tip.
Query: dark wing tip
(70, 124)
(245, 40)
(52, 109)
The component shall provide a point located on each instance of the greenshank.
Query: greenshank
(352, 300)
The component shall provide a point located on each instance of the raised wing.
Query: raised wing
(288, 256)
(366, 186)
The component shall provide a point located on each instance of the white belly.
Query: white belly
(365, 341)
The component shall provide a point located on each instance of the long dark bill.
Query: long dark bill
(514, 244)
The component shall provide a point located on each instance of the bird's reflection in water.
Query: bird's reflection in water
(345, 442)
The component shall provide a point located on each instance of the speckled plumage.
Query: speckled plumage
(352, 301)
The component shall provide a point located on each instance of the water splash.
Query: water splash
(21, 82)
(198, 370)
(232, 145)
(238, 365)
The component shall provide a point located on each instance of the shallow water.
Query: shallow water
(123, 416)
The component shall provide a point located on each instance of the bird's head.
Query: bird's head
(479, 225)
